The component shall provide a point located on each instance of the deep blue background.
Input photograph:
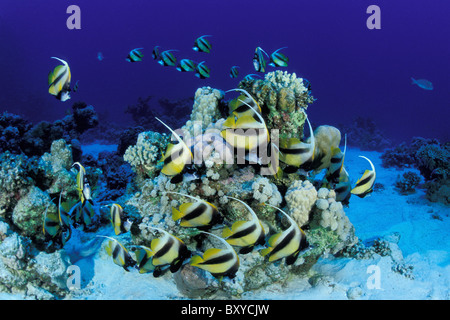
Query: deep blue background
(354, 71)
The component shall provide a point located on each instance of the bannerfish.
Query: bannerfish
(343, 188)
(120, 255)
(240, 105)
(167, 250)
(59, 81)
(278, 59)
(259, 62)
(296, 153)
(245, 234)
(83, 187)
(286, 244)
(135, 55)
(234, 71)
(118, 221)
(246, 132)
(75, 87)
(202, 45)
(100, 56)
(144, 259)
(186, 65)
(202, 71)
(336, 163)
(177, 156)
(219, 262)
(422, 83)
(200, 214)
(166, 58)
(155, 53)
(364, 185)
(51, 226)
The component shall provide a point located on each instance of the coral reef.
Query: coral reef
(148, 197)
(282, 96)
(408, 182)
(364, 134)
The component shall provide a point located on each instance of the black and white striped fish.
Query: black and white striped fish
(118, 221)
(234, 71)
(202, 45)
(219, 262)
(336, 163)
(135, 55)
(278, 59)
(200, 214)
(177, 156)
(259, 62)
(166, 58)
(120, 255)
(187, 65)
(364, 185)
(167, 250)
(296, 153)
(286, 244)
(59, 81)
(245, 234)
(202, 71)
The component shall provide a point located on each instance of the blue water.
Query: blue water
(354, 71)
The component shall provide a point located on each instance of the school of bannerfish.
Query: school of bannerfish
(238, 237)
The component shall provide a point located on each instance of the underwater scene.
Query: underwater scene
(224, 150)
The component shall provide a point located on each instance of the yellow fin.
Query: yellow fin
(266, 251)
(195, 260)
(226, 232)
(273, 239)
(230, 122)
(176, 214)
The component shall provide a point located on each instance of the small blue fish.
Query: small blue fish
(278, 59)
(202, 45)
(155, 53)
(423, 83)
(258, 60)
(135, 55)
(186, 65)
(166, 58)
(202, 71)
(100, 56)
(234, 72)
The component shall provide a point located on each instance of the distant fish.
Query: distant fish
(186, 65)
(343, 188)
(423, 83)
(166, 58)
(59, 81)
(135, 55)
(202, 45)
(278, 59)
(259, 62)
(75, 87)
(155, 53)
(364, 185)
(100, 56)
(117, 220)
(234, 72)
(202, 71)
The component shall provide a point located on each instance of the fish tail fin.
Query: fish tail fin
(176, 214)
(266, 251)
(196, 260)
(226, 232)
